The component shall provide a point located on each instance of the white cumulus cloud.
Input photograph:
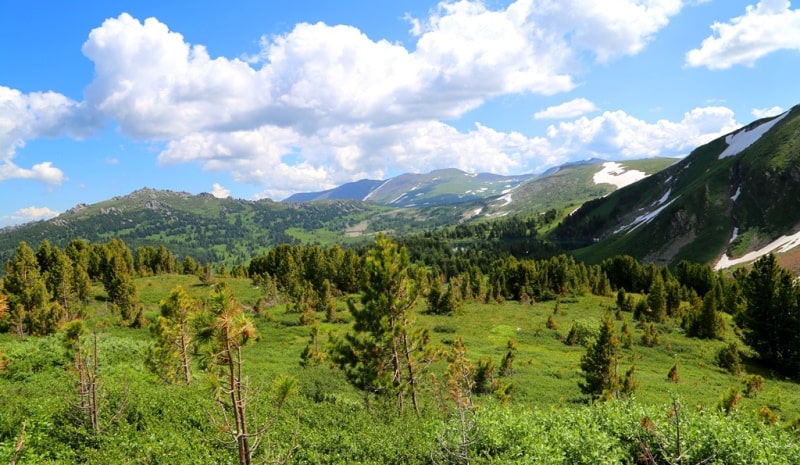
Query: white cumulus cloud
(284, 161)
(571, 109)
(609, 29)
(25, 117)
(220, 192)
(321, 104)
(767, 112)
(769, 26)
(28, 214)
(617, 134)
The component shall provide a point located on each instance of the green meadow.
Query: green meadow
(327, 421)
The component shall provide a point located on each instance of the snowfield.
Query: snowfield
(781, 244)
(615, 174)
(743, 139)
(664, 197)
(644, 219)
(505, 198)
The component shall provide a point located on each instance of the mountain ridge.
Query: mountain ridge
(747, 181)
(442, 186)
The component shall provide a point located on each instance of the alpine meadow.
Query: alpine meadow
(467, 232)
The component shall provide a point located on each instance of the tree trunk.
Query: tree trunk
(187, 374)
(94, 409)
(237, 402)
(397, 375)
(411, 369)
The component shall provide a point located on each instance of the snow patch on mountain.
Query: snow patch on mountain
(739, 141)
(373, 191)
(615, 174)
(505, 198)
(644, 219)
(781, 244)
(664, 197)
(734, 235)
(737, 194)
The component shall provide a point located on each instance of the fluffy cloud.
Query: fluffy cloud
(609, 29)
(321, 105)
(155, 85)
(571, 109)
(615, 134)
(766, 112)
(44, 172)
(284, 161)
(768, 26)
(220, 192)
(39, 114)
(28, 214)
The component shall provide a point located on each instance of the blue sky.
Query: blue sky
(257, 99)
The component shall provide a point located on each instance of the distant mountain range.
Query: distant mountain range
(233, 230)
(438, 187)
(727, 202)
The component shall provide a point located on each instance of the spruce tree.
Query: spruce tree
(170, 357)
(772, 315)
(599, 363)
(384, 354)
(708, 323)
(657, 300)
(29, 303)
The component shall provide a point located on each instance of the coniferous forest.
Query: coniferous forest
(399, 351)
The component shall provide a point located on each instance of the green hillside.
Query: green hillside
(691, 209)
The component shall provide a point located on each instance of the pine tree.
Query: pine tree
(599, 363)
(222, 331)
(460, 384)
(170, 357)
(325, 303)
(313, 354)
(629, 385)
(573, 336)
(626, 335)
(673, 374)
(60, 281)
(384, 353)
(507, 364)
(29, 304)
(650, 336)
(207, 276)
(772, 315)
(85, 364)
(657, 300)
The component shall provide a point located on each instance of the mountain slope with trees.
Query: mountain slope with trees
(726, 197)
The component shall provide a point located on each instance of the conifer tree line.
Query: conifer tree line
(47, 287)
